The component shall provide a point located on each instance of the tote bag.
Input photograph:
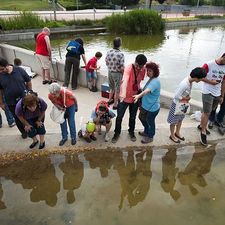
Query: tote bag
(182, 108)
(57, 115)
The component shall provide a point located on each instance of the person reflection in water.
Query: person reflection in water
(73, 171)
(194, 171)
(104, 161)
(135, 181)
(2, 204)
(169, 172)
(37, 174)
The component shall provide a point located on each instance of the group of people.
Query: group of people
(27, 109)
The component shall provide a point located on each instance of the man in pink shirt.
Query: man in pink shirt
(132, 77)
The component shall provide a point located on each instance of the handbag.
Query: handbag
(56, 114)
(182, 108)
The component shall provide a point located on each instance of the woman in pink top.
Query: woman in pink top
(132, 77)
(70, 106)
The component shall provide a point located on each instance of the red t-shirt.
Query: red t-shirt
(91, 63)
(69, 100)
(41, 46)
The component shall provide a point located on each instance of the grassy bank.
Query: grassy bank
(25, 5)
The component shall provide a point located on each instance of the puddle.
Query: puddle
(129, 187)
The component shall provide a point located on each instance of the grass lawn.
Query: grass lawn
(25, 5)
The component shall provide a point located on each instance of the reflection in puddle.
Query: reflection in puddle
(115, 187)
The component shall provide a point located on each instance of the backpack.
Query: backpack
(102, 102)
(73, 47)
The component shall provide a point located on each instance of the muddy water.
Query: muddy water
(154, 186)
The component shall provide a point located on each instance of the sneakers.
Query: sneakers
(203, 139)
(12, 124)
(115, 138)
(62, 142)
(94, 89)
(107, 137)
(221, 130)
(132, 137)
(142, 133)
(210, 125)
(45, 82)
(207, 132)
(219, 124)
(146, 140)
(73, 141)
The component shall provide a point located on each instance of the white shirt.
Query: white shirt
(215, 72)
(183, 90)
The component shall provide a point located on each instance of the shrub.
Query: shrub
(25, 20)
(141, 21)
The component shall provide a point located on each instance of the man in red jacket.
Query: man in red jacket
(43, 53)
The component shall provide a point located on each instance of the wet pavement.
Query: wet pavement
(173, 185)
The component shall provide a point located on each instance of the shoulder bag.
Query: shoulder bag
(57, 115)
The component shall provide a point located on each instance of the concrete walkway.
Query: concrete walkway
(10, 139)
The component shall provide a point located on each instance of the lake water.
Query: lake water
(177, 51)
(183, 185)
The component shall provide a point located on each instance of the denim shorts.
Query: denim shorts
(91, 75)
(210, 102)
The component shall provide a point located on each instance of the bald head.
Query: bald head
(46, 30)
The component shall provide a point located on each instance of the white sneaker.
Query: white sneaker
(107, 138)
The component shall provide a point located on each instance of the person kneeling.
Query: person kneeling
(31, 112)
(102, 116)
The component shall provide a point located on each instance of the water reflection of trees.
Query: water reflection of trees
(73, 171)
(141, 42)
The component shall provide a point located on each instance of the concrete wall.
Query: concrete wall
(29, 59)
(57, 71)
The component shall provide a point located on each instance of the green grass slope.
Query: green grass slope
(25, 5)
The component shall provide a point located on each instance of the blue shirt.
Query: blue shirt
(151, 101)
(14, 84)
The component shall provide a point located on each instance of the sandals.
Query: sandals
(180, 138)
(175, 141)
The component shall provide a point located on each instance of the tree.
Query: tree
(147, 2)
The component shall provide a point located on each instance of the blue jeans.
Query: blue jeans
(9, 116)
(121, 109)
(149, 123)
(220, 116)
(70, 117)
